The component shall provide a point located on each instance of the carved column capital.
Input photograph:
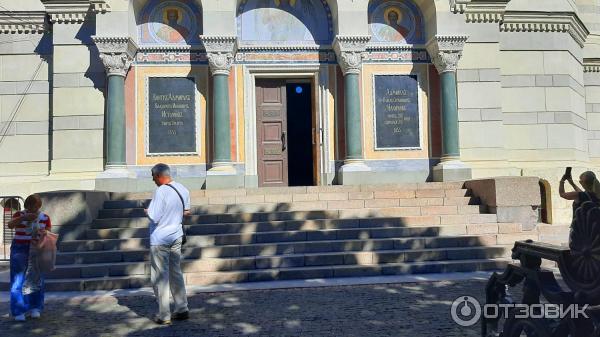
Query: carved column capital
(220, 51)
(350, 51)
(116, 53)
(220, 63)
(446, 51)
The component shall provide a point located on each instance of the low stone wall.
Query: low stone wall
(72, 212)
(513, 199)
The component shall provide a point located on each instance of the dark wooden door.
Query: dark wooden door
(271, 123)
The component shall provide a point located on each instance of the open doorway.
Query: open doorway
(299, 120)
(285, 132)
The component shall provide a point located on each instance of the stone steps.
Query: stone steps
(108, 248)
(142, 267)
(407, 217)
(207, 240)
(331, 222)
(269, 234)
(269, 202)
(208, 278)
(305, 190)
(136, 209)
(140, 252)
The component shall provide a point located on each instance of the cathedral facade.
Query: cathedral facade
(253, 93)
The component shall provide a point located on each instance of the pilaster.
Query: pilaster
(78, 82)
(479, 87)
(220, 51)
(117, 54)
(591, 68)
(445, 52)
(350, 51)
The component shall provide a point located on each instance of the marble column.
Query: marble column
(445, 52)
(220, 51)
(349, 51)
(117, 54)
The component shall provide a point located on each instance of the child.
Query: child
(29, 225)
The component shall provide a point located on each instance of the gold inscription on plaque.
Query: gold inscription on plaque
(394, 106)
(171, 107)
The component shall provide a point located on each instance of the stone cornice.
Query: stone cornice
(446, 51)
(220, 51)
(117, 53)
(484, 11)
(21, 22)
(545, 22)
(591, 65)
(73, 11)
(351, 43)
(392, 47)
(292, 48)
(219, 44)
(349, 50)
(99, 6)
(458, 6)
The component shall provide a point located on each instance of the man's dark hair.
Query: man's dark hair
(161, 170)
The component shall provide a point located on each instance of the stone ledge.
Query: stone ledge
(512, 199)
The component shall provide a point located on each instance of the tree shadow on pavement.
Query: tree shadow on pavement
(410, 309)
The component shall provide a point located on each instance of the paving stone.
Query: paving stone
(409, 309)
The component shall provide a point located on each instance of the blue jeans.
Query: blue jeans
(19, 303)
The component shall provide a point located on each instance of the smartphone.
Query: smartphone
(568, 172)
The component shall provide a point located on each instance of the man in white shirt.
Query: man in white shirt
(170, 202)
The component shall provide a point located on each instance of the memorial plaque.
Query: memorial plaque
(396, 100)
(171, 115)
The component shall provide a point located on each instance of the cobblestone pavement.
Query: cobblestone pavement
(408, 309)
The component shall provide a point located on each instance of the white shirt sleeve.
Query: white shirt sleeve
(156, 210)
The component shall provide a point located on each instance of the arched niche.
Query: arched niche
(284, 22)
(396, 22)
(169, 23)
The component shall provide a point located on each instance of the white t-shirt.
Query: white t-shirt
(166, 212)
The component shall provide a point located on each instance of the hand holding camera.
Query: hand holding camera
(567, 175)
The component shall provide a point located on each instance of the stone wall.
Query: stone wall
(528, 96)
(482, 138)
(78, 99)
(24, 103)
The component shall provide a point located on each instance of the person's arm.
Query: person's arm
(566, 195)
(157, 206)
(16, 220)
(575, 187)
(187, 205)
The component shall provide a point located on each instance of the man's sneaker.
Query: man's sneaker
(35, 313)
(161, 321)
(20, 318)
(180, 316)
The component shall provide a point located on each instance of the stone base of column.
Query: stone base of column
(116, 171)
(223, 176)
(451, 170)
(117, 178)
(355, 172)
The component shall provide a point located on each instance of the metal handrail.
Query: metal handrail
(8, 212)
